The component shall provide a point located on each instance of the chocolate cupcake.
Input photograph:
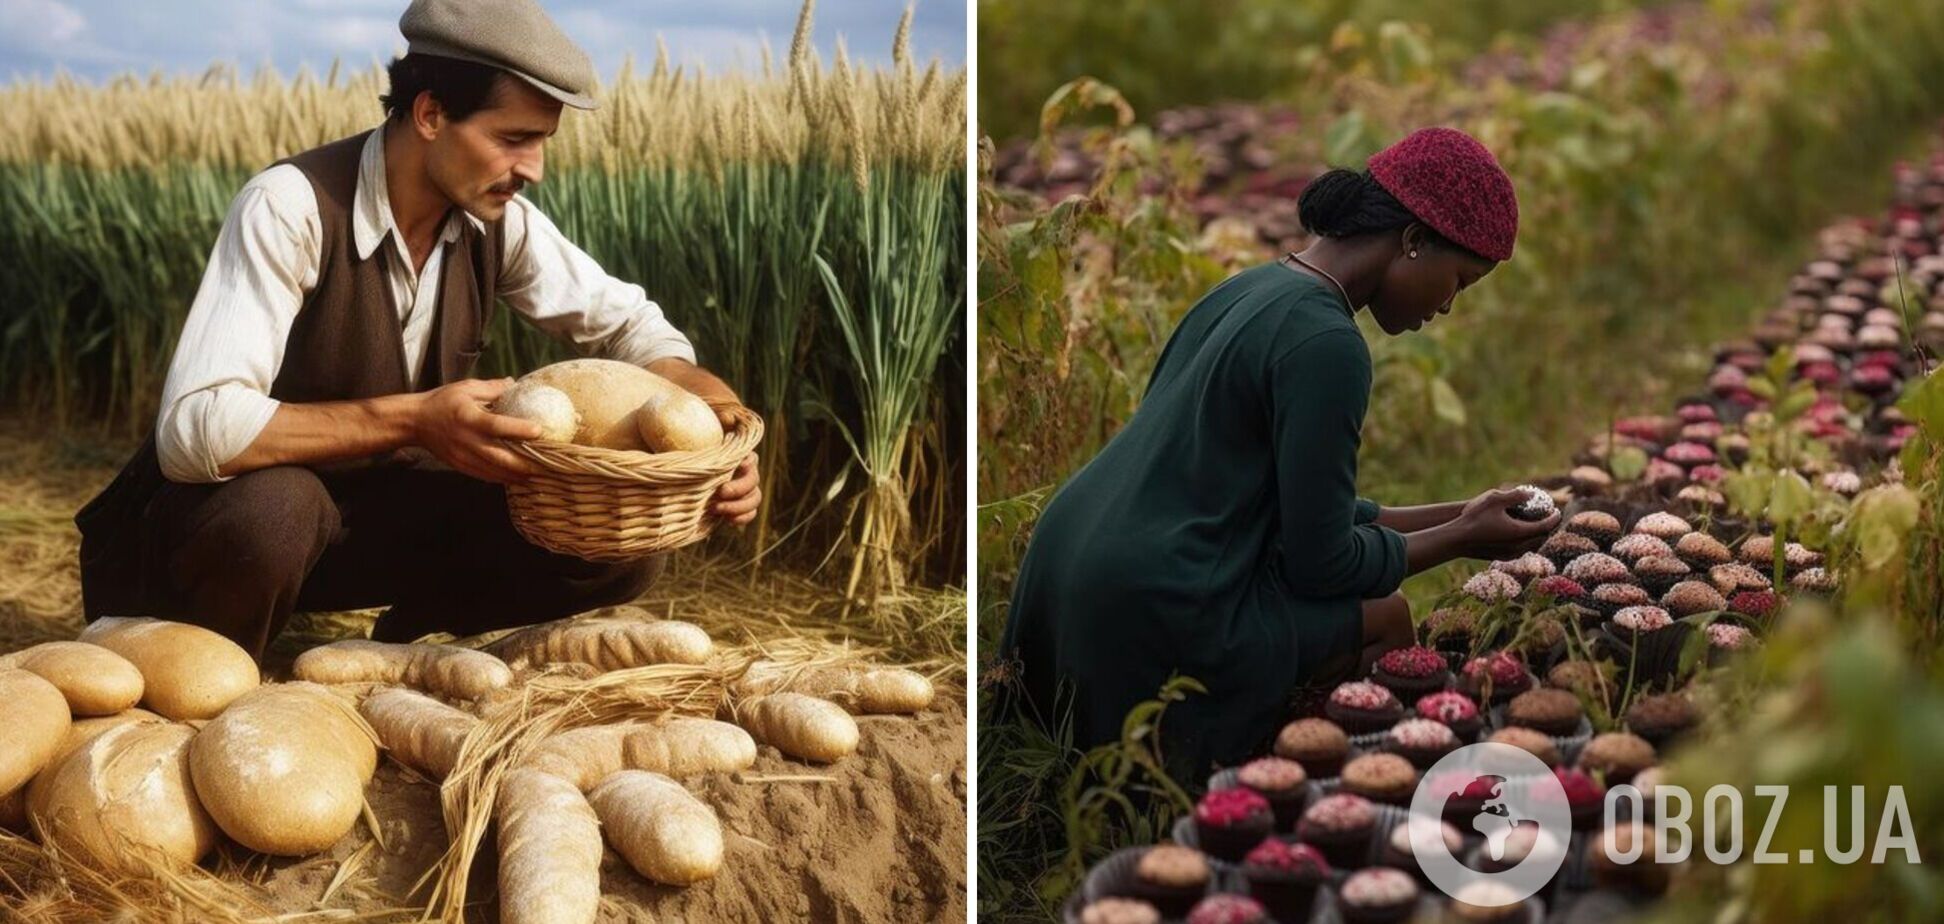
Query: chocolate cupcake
(1495, 677)
(1486, 902)
(1421, 741)
(1378, 895)
(1450, 630)
(1614, 757)
(1561, 548)
(1798, 558)
(1381, 777)
(1280, 780)
(1170, 878)
(1560, 589)
(1596, 568)
(1537, 505)
(1651, 642)
(1411, 672)
(1598, 525)
(1399, 853)
(1526, 568)
(1657, 573)
(1644, 875)
(1727, 640)
(1456, 710)
(1534, 742)
(1691, 598)
(1541, 642)
(1664, 526)
(1319, 745)
(1736, 577)
(1755, 604)
(1758, 552)
(1662, 718)
(1340, 826)
(1362, 707)
(1689, 454)
(1590, 480)
(1284, 877)
(1228, 822)
(1702, 551)
(1492, 587)
(1222, 908)
(1633, 547)
(1521, 842)
(1813, 582)
(1120, 911)
(1585, 797)
(1555, 712)
(1609, 599)
(1590, 680)
(1700, 496)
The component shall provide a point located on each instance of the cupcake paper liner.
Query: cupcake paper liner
(1655, 657)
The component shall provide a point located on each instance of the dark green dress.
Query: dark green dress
(1218, 535)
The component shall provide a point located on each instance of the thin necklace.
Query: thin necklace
(1293, 255)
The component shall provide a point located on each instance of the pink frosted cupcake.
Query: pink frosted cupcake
(1456, 710)
(1362, 707)
(1339, 826)
(1423, 742)
(1495, 677)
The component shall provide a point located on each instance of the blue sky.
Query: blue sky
(98, 38)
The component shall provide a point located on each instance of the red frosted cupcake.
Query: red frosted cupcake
(1456, 710)
(1585, 797)
(1284, 877)
(1495, 677)
(1362, 707)
(1411, 672)
(1229, 822)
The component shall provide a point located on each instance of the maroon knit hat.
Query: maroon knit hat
(1450, 182)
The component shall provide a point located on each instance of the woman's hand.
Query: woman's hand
(453, 423)
(1487, 528)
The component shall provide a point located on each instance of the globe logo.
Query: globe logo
(1505, 796)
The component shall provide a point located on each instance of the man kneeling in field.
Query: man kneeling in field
(321, 444)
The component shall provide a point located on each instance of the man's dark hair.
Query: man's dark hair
(461, 87)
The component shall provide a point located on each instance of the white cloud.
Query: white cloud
(31, 23)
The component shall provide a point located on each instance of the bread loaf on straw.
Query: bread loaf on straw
(126, 791)
(417, 730)
(800, 726)
(550, 851)
(32, 737)
(665, 833)
(442, 670)
(94, 680)
(608, 643)
(188, 672)
(283, 769)
(687, 747)
(862, 690)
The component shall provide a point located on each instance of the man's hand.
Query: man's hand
(1490, 531)
(738, 498)
(453, 423)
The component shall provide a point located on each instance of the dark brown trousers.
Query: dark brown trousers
(435, 546)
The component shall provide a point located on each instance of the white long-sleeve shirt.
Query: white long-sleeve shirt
(216, 399)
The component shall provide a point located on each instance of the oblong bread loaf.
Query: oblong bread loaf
(123, 793)
(549, 851)
(94, 680)
(283, 769)
(32, 737)
(800, 726)
(417, 730)
(445, 670)
(188, 672)
(609, 644)
(663, 831)
(686, 747)
(862, 690)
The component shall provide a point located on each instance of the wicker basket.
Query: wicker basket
(618, 505)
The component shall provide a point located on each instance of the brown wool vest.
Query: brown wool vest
(345, 344)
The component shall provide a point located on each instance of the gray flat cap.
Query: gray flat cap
(512, 35)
